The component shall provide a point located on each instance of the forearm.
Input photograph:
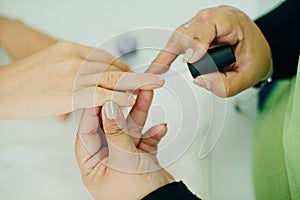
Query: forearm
(21, 41)
(281, 31)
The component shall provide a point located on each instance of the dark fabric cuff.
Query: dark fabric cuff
(175, 190)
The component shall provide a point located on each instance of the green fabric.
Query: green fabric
(276, 157)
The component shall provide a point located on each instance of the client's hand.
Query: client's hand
(65, 77)
(117, 161)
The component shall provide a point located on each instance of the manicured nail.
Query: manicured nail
(188, 55)
(112, 110)
(131, 100)
(197, 54)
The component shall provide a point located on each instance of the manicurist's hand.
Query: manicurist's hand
(65, 77)
(219, 26)
(115, 160)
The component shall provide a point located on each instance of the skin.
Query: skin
(115, 160)
(218, 26)
(60, 77)
(21, 41)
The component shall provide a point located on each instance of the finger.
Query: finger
(189, 45)
(95, 96)
(223, 84)
(115, 128)
(162, 62)
(214, 26)
(167, 56)
(89, 146)
(64, 117)
(96, 67)
(152, 137)
(181, 42)
(202, 39)
(116, 80)
(99, 55)
(138, 114)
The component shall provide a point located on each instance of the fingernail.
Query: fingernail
(197, 54)
(188, 55)
(131, 100)
(201, 82)
(112, 110)
(158, 78)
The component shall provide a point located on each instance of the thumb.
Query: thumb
(115, 128)
(223, 84)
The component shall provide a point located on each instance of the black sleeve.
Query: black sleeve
(174, 191)
(281, 29)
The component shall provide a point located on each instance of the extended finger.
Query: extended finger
(152, 137)
(138, 114)
(89, 147)
(95, 96)
(117, 80)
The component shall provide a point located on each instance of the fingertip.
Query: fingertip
(64, 117)
(110, 110)
(157, 68)
(164, 129)
(159, 79)
(197, 54)
(159, 131)
(131, 100)
(200, 81)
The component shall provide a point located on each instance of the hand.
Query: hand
(219, 26)
(120, 162)
(21, 41)
(65, 77)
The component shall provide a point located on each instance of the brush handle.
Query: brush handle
(215, 59)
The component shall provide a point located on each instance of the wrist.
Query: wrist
(266, 79)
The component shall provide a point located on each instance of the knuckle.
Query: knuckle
(205, 14)
(110, 79)
(67, 45)
(113, 128)
(70, 65)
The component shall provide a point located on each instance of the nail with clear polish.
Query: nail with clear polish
(111, 110)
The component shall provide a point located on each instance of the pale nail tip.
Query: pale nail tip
(111, 110)
(158, 78)
(131, 100)
(188, 54)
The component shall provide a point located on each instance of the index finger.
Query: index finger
(162, 62)
(138, 114)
